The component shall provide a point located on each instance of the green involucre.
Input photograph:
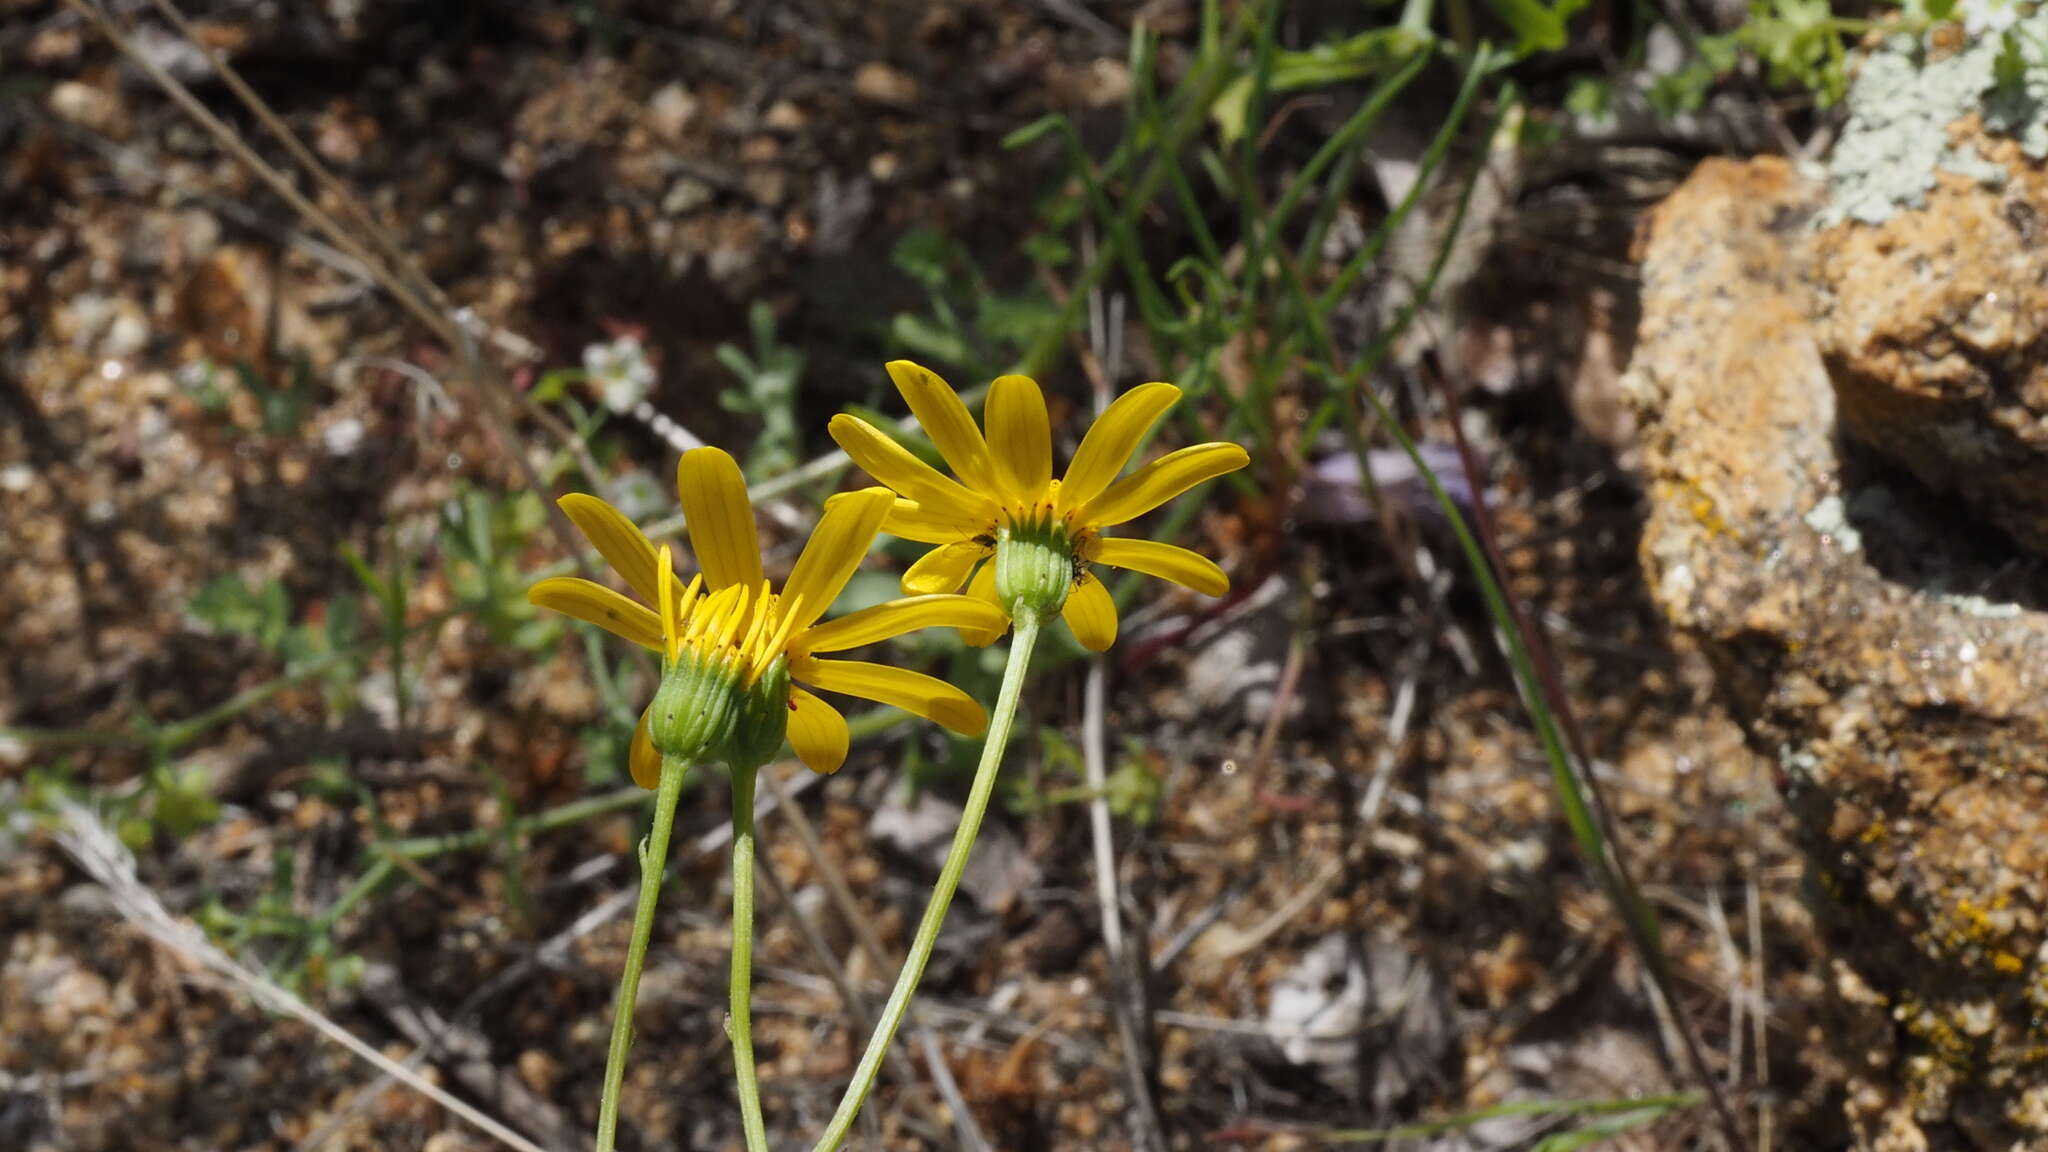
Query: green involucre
(696, 708)
(1036, 566)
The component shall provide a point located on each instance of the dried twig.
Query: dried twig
(1760, 1004)
(448, 325)
(1731, 970)
(554, 951)
(466, 1054)
(850, 999)
(1126, 995)
(870, 945)
(398, 260)
(101, 855)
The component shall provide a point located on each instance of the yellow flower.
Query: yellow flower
(1044, 533)
(730, 620)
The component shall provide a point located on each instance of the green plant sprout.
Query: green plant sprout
(767, 392)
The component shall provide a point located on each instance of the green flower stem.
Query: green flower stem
(739, 1024)
(653, 862)
(942, 893)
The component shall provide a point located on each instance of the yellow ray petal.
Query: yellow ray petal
(599, 605)
(1162, 480)
(909, 521)
(1019, 436)
(983, 588)
(1110, 441)
(946, 420)
(892, 464)
(836, 547)
(777, 643)
(1166, 561)
(642, 759)
(817, 731)
(616, 538)
(1091, 614)
(720, 518)
(943, 569)
(667, 607)
(914, 692)
(884, 621)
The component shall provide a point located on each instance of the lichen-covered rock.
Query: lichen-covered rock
(1931, 271)
(1873, 636)
(1934, 325)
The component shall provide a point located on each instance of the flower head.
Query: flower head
(1042, 533)
(731, 644)
(621, 371)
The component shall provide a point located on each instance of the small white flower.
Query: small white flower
(343, 436)
(1989, 17)
(621, 371)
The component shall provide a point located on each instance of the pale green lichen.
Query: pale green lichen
(1830, 518)
(1971, 604)
(1900, 109)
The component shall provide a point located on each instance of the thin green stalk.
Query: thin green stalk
(1603, 854)
(1343, 144)
(1650, 1106)
(547, 820)
(942, 893)
(1342, 154)
(653, 862)
(739, 1024)
(372, 878)
(1202, 86)
(1482, 63)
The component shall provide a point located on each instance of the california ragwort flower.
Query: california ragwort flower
(731, 644)
(1041, 534)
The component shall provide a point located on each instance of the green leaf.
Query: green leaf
(1536, 28)
(1687, 88)
(135, 833)
(1134, 790)
(553, 384)
(1337, 62)
(229, 607)
(1014, 320)
(1589, 96)
(926, 256)
(365, 575)
(1048, 249)
(344, 616)
(767, 389)
(183, 805)
(1230, 108)
(2009, 70)
(923, 337)
(1033, 131)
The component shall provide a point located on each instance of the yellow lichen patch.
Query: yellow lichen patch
(1946, 1043)
(1977, 922)
(1705, 512)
